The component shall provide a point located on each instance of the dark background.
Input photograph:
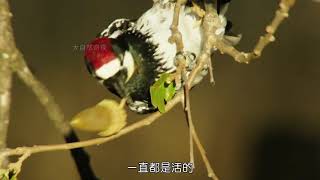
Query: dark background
(260, 121)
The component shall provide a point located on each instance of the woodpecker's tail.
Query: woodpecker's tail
(81, 158)
(222, 6)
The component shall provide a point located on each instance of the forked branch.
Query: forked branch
(242, 57)
(12, 61)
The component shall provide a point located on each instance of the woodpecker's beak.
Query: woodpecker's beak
(116, 84)
(91, 70)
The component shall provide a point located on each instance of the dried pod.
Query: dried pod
(106, 118)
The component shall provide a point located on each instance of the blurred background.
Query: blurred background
(260, 121)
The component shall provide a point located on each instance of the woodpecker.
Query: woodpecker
(129, 56)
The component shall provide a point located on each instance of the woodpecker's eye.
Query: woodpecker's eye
(101, 58)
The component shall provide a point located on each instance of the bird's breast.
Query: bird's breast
(157, 22)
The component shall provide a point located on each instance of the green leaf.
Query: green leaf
(170, 92)
(14, 177)
(162, 92)
(6, 173)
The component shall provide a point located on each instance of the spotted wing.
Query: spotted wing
(117, 28)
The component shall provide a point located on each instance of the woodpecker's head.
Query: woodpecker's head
(101, 59)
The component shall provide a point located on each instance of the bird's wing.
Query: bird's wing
(117, 28)
(222, 6)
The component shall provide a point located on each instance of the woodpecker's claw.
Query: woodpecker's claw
(185, 62)
(196, 9)
(188, 57)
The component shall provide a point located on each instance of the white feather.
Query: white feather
(109, 69)
(128, 63)
(157, 22)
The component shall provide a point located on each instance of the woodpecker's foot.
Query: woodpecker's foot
(196, 9)
(185, 62)
(141, 107)
(188, 57)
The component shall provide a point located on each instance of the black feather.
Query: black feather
(148, 67)
(221, 4)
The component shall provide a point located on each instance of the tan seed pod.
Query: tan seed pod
(106, 118)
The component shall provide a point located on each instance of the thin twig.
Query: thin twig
(97, 141)
(16, 166)
(242, 57)
(187, 111)
(176, 36)
(210, 65)
(180, 73)
(204, 57)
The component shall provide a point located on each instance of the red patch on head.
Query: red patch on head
(99, 52)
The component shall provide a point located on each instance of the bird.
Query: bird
(128, 56)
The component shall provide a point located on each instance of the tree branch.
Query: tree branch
(97, 141)
(6, 42)
(176, 38)
(242, 57)
(11, 60)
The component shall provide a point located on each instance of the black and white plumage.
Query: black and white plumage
(129, 56)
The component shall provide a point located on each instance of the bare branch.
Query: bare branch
(5, 100)
(176, 36)
(210, 65)
(6, 43)
(12, 61)
(242, 57)
(45, 148)
(180, 73)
